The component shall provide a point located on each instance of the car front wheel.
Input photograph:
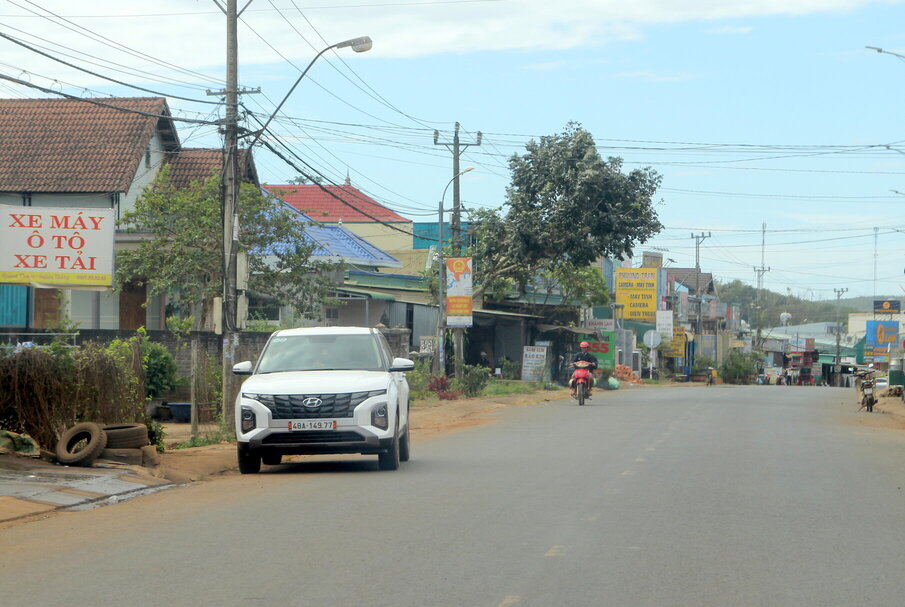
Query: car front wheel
(249, 461)
(390, 459)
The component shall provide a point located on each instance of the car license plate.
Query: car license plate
(312, 424)
(868, 391)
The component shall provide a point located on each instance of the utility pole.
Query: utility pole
(230, 193)
(699, 328)
(456, 147)
(837, 375)
(760, 277)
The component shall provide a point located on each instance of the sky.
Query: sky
(758, 112)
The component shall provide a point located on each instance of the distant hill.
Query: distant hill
(865, 304)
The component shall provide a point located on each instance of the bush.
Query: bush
(474, 378)
(418, 379)
(439, 384)
(44, 390)
(161, 371)
(510, 369)
(702, 363)
(739, 367)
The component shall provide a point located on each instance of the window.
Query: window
(263, 309)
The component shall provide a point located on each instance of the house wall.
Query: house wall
(145, 174)
(381, 236)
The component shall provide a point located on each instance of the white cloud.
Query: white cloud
(653, 77)
(730, 29)
(549, 65)
(192, 34)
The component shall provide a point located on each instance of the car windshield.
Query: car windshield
(321, 352)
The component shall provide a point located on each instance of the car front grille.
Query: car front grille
(290, 406)
(314, 436)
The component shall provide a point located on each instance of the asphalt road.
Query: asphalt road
(720, 496)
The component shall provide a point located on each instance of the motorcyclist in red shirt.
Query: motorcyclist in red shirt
(586, 356)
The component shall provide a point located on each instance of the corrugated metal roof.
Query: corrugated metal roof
(336, 243)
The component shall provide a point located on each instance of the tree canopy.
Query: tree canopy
(565, 208)
(182, 256)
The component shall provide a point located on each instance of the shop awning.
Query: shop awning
(560, 329)
(364, 292)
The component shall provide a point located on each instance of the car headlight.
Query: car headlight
(249, 420)
(379, 417)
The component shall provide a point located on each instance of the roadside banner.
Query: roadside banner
(601, 324)
(605, 350)
(56, 246)
(458, 291)
(636, 290)
(534, 362)
(881, 337)
(664, 324)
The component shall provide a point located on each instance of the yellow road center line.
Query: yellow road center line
(556, 551)
(510, 600)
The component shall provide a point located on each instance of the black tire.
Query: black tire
(581, 393)
(390, 459)
(127, 436)
(272, 459)
(405, 447)
(81, 444)
(249, 461)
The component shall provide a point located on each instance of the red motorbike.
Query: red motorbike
(581, 380)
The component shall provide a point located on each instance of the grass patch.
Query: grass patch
(214, 437)
(503, 387)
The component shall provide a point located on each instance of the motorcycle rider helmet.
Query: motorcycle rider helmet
(584, 344)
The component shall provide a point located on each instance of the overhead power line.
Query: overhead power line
(93, 73)
(102, 104)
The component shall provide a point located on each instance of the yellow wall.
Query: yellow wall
(383, 237)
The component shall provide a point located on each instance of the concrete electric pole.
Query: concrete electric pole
(837, 368)
(456, 147)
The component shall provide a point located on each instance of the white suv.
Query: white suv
(323, 390)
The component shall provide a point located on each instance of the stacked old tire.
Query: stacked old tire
(83, 443)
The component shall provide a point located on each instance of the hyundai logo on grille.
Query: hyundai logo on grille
(312, 402)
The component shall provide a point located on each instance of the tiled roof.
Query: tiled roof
(67, 145)
(197, 164)
(194, 164)
(354, 206)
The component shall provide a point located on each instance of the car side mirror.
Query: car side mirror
(402, 364)
(242, 368)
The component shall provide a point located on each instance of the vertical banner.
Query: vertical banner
(56, 246)
(665, 324)
(458, 291)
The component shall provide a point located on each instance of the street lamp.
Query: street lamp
(441, 296)
(359, 45)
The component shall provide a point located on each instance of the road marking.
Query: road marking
(510, 600)
(556, 551)
(628, 473)
(640, 459)
(593, 517)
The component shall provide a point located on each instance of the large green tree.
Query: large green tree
(182, 256)
(566, 207)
